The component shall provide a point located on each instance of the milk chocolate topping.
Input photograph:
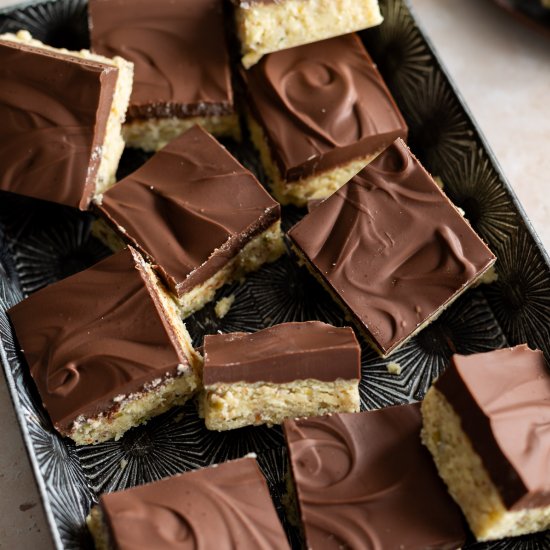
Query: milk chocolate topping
(92, 337)
(391, 246)
(54, 109)
(181, 63)
(190, 209)
(322, 105)
(227, 507)
(365, 481)
(283, 353)
(503, 400)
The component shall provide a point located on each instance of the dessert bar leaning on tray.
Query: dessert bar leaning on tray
(61, 113)
(106, 348)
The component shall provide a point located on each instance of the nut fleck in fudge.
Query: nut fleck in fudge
(391, 248)
(365, 480)
(487, 425)
(286, 371)
(225, 507)
(61, 113)
(106, 349)
(197, 214)
(317, 115)
(265, 26)
(182, 73)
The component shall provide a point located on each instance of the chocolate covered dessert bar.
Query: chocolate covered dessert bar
(265, 26)
(61, 113)
(317, 115)
(197, 214)
(391, 248)
(182, 74)
(487, 425)
(366, 481)
(224, 507)
(106, 349)
(290, 370)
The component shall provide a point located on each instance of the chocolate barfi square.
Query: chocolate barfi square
(182, 72)
(487, 425)
(265, 26)
(317, 115)
(391, 248)
(61, 113)
(197, 214)
(290, 370)
(223, 506)
(365, 480)
(106, 349)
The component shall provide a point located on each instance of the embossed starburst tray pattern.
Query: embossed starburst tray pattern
(41, 243)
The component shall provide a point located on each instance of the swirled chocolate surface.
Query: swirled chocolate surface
(391, 246)
(503, 400)
(190, 209)
(92, 337)
(365, 481)
(283, 353)
(322, 105)
(224, 507)
(181, 62)
(54, 109)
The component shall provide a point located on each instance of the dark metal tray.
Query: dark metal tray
(40, 243)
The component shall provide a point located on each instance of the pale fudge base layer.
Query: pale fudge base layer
(98, 528)
(113, 144)
(227, 406)
(299, 192)
(154, 133)
(467, 479)
(264, 28)
(156, 397)
(303, 260)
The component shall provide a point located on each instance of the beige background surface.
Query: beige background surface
(503, 71)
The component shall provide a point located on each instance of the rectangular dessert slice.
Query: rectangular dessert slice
(106, 349)
(182, 73)
(197, 214)
(317, 115)
(223, 506)
(487, 425)
(365, 481)
(265, 26)
(286, 371)
(391, 248)
(61, 112)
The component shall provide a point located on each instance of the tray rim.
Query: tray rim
(8, 376)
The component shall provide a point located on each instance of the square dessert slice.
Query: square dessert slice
(224, 507)
(317, 115)
(61, 112)
(265, 26)
(182, 74)
(366, 481)
(286, 371)
(197, 214)
(391, 248)
(106, 349)
(487, 425)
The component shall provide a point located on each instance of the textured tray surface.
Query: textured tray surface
(41, 243)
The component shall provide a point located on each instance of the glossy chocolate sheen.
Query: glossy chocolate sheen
(503, 400)
(391, 246)
(190, 209)
(54, 110)
(283, 353)
(181, 62)
(322, 105)
(365, 481)
(93, 336)
(223, 507)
